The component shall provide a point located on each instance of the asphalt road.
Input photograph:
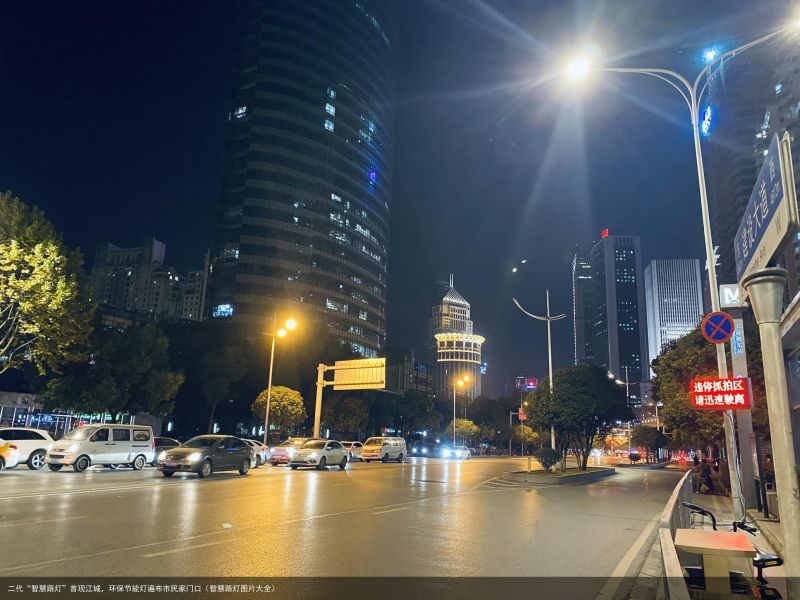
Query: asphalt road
(427, 517)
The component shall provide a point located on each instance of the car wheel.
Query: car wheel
(138, 463)
(168, 473)
(55, 467)
(385, 458)
(36, 460)
(322, 464)
(2, 463)
(245, 467)
(368, 461)
(350, 455)
(206, 469)
(343, 464)
(274, 464)
(400, 457)
(80, 465)
(293, 467)
(258, 462)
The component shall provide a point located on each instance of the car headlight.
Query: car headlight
(73, 448)
(313, 454)
(424, 450)
(162, 455)
(446, 453)
(194, 456)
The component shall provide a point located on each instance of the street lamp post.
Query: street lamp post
(275, 333)
(549, 318)
(579, 69)
(627, 384)
(457, 384)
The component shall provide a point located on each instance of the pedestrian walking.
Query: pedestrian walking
(706, 485)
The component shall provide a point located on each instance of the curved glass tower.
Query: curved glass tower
(305, 199)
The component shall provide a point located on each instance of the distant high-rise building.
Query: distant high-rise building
(457, 348)
(582, 309)
(131, 284)
(306, 176)
(404, 372)
(674, 297)
(619, 335)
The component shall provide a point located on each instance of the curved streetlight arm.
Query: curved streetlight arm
(664, 75)
(533, 316)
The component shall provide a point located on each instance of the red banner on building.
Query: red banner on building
(721, 394)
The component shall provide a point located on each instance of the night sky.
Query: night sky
(111, 120)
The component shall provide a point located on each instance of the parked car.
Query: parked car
(353, 450)
(384, 449)
(205, 454)
(32, 444)
(110, 445)
(457, 452)
(260, 450)
(9, 456)
(164, 443)
(319, 454)
(280, 454)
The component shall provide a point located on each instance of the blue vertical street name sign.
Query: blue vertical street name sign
(771, 215)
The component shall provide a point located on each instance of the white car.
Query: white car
(353, 450)
(106, 444)
(384, 449)
(262, 452)
(319, 454)
(457, 452)
(32, 444)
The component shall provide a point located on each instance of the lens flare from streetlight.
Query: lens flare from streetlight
(291, 324)
(710, 54)
(466, 378)
(281, 332)
(579, 68)
(460, 383)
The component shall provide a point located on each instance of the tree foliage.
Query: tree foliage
(219, 371)
(649, 438)
(417, 411)
(286, 409)
(45, 310)
(346, 415)
(128, 370)
(692, 357)
(584, 406)
(465, 429)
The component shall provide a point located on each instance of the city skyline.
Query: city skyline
(454, 158)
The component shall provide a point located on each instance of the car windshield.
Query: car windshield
(374, 441)
(199, 442)
(315, 444)
(80, 433)
(294, 442)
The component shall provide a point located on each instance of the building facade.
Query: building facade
(306, 176)
(131, 284)
(619, 334)
(582, 309)
(674, 299)
(457, 348)
(404, 372)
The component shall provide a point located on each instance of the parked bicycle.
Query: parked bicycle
(739, 582)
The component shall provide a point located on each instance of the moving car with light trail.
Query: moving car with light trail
(282, 453)
(108, 445)
(319, 454)
(206, 454)
(32, 444)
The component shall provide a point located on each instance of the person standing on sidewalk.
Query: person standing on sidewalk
(706, 484)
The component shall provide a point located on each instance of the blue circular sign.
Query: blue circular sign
(717, 327)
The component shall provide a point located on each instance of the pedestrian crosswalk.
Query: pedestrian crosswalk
(498, 483)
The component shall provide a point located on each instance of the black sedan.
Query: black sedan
(205, 454)
(164, 443)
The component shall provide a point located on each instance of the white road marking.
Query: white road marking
(184, 549)
(610, 588)
(40, 521)
(383, 512)
(88, 491)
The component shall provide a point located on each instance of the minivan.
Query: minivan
(384, 449)
(103, 444)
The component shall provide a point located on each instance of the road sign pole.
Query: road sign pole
(318, 404)
(765, 289)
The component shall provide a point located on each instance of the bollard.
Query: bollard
(529, 464)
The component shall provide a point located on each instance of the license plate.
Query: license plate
(171, 465)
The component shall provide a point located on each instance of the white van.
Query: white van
(107, 444)
(384, 449)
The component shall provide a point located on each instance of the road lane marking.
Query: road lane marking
(40, 521)
(383, 512)
(185, 549)
(610, 588)
(89, 491)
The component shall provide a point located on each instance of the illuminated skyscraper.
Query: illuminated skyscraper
(582, 309)
(305, 198)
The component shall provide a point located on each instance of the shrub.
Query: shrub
(547, 457)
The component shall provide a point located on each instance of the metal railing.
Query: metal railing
(672, 518)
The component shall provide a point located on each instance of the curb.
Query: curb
(660, 465)
(523, 477)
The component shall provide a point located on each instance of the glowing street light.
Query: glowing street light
(710, 54)
(459, 383)
(276, 333)
(579, 68)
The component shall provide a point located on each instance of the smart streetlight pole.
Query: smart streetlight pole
(549, 318)
(290, 324)
(692, 95)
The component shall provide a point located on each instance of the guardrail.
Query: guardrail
(674, 517)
